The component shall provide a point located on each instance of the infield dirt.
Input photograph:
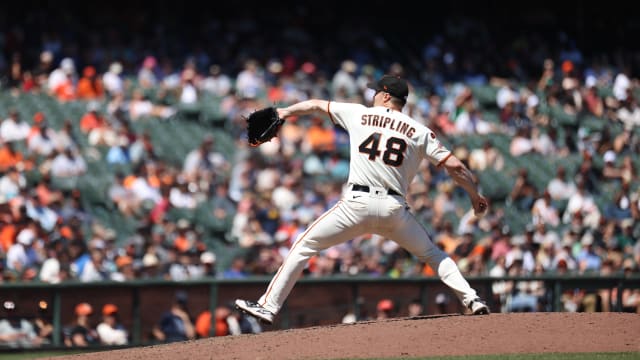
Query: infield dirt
(413, 337)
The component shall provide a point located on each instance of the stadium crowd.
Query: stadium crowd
(577, 115)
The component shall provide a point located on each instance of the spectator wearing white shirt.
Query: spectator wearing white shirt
(344, 80)
(486, 157)
(250, 81)
(471, 122)
(181, 197)
(216, 83)
(16, 331)
(37, 210)
(521, 143)
(543, 211)
(110, 330)
(11, 184)
(21, 255)
(68, 164)
(559, 188)
(507, 94)
(188, 90)
(112, 80)
(95, 269)
(141, 187)
(582, 202)
(621, 84)
(50, 271)
(66, 72)
(13, 128)
(44, 141)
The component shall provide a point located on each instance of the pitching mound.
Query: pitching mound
(424, 336)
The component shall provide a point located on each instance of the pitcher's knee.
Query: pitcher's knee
(433, 257)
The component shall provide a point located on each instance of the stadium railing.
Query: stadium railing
(314, 301)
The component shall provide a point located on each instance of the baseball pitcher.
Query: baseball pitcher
(387, 147)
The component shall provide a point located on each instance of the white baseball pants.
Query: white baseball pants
(355, 214)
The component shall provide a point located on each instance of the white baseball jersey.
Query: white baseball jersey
(387, 146)
(386, 150)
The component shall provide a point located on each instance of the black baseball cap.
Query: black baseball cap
(393, 85)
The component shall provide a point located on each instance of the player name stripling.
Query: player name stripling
(387, 122)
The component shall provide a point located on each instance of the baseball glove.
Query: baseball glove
(263, 125)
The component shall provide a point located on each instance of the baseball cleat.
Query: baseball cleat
(478, 307)
(256, 310)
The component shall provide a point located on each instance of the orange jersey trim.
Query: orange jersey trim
(304, 234)
(443, 160)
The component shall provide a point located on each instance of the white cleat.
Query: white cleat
(256, 310)
(478, 307)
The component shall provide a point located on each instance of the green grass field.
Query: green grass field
(549, 356)
(581, 356)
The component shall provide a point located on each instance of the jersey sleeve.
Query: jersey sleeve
(435, 151)
(340, 113)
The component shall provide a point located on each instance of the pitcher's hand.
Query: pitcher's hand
(480, 205)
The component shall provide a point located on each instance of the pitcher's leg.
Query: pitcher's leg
(412, 236)
(333, 227)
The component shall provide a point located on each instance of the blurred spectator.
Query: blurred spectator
(227, 322)
(52, 267)
(544, 211)
(147, 74)
(15, 331)
(124, 269)
(9, 156)
(217, 83)
(81, 333)
(110, 330)
(582, 203)
(90, 85)
(500, 289)
(68, 164)
(13, 128)
(140, 106)
(22, 255)
(61, 83)
(189, 93)
(113, 83)
(42, 323)
(208, 261)
(588, 260)
(385, 309)
(222, 325)
(236, 270)
(176, 324)
(486, 157)
(92, 119)
(559, 188)
(95, 269)
(42, 139)
(521, 297)
(521, 143)
(344, 80)
(250, 81)
(524, 192)
(415, 308)
(11, 184)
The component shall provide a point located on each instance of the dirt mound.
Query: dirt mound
(414, 337)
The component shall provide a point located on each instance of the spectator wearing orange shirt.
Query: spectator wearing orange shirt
(90, 86)
(319, 138)
(9, 157)
(92, 119)
(203, 322)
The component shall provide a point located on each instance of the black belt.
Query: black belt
(365, 188)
